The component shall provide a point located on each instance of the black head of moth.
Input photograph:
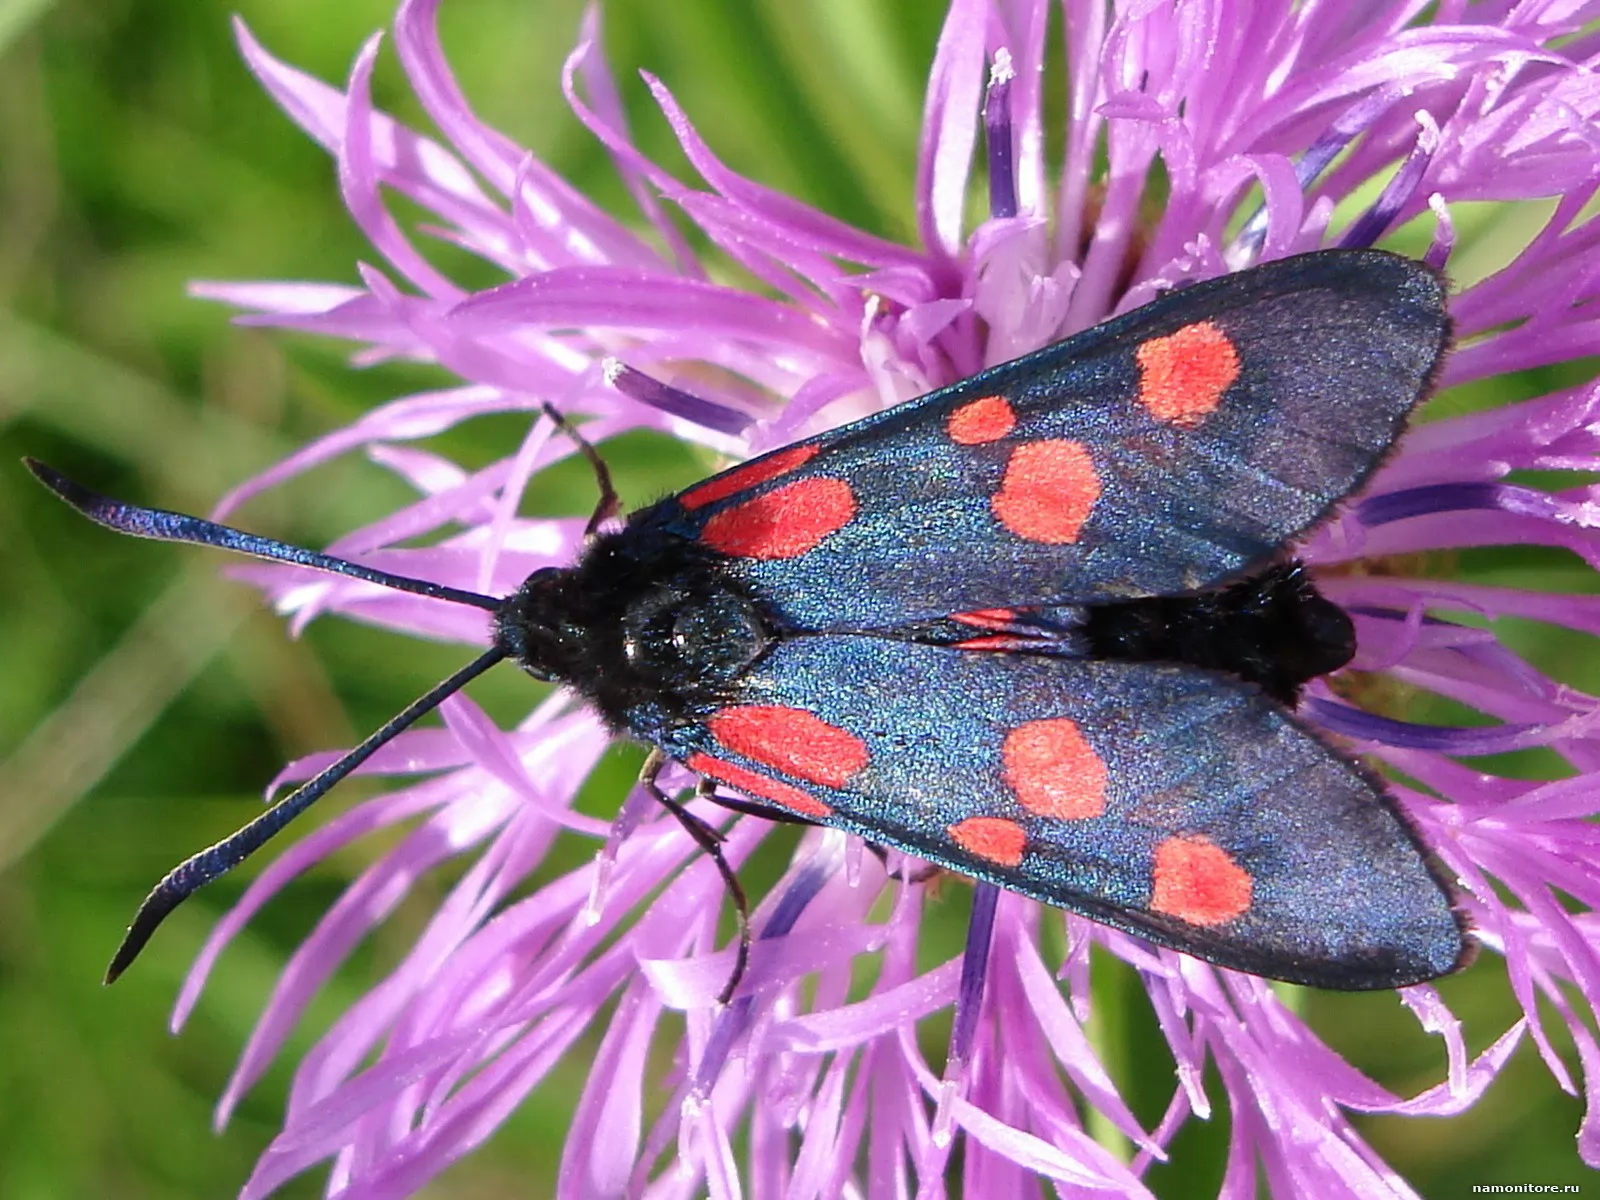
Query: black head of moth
(1038, 627)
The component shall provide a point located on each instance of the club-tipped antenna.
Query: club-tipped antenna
(216, 861)
(164, 526)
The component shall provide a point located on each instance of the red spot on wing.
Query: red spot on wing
(1197, 881)
(1182, 376)
(752, 784)
(993, 641)
(784, 523)
(988, 618)
(791, 740)
(747, 476)
(1054, 771)
(993, 839)
(980, 421)
(1049, 490)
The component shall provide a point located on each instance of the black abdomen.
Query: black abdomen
(1271, 629)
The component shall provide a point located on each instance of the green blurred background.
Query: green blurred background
(147, 701)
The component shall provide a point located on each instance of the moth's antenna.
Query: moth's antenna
(166, 526)
(212, 863)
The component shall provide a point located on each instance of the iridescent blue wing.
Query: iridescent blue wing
(1163, 451)
(1168, 802)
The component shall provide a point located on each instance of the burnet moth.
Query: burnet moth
(1037, 627)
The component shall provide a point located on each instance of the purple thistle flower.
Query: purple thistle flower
(1271, 126)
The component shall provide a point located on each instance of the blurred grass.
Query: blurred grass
(147, 702)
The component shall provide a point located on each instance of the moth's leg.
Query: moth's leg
(710, 840)
(706, 789)
(608, 505)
